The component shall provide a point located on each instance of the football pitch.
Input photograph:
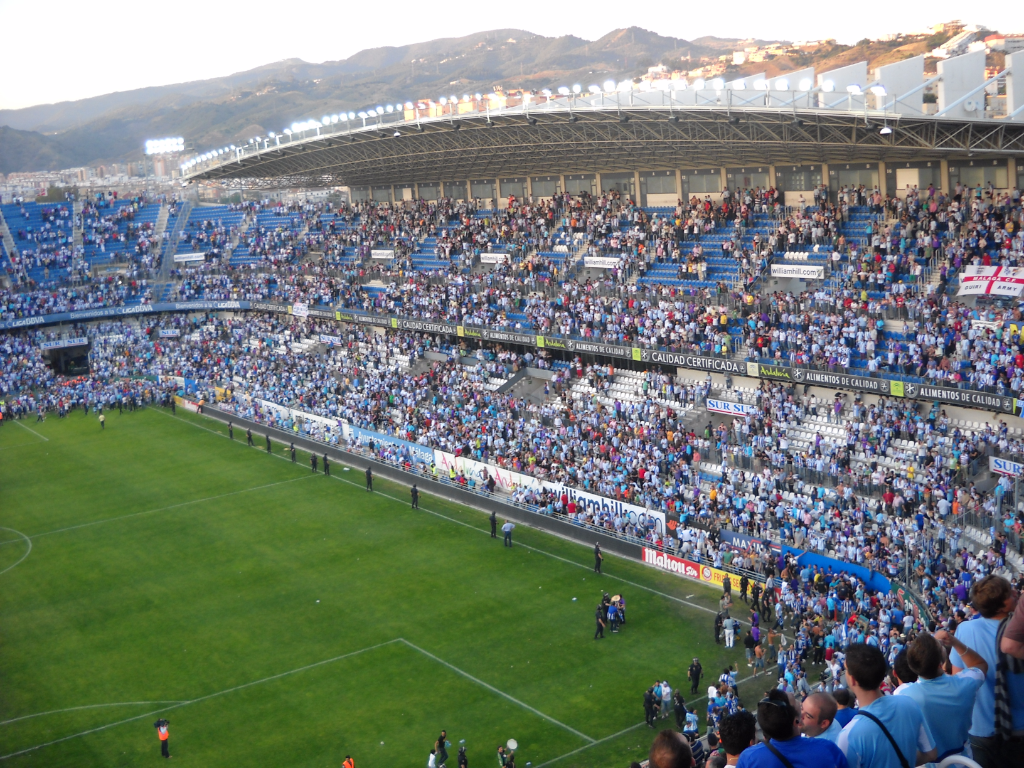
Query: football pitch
(280, 618)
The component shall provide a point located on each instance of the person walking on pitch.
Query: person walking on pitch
(369, 479)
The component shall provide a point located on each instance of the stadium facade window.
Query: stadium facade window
(382, 194)
(979, 173)
(705, 181)
(456, 190)
(852, 175)
(624, 183)
(482, 189)
(899, 176)
(360, 194)
(797, 178)
(748, 178)
(658, 188)
(430, 191)
(545, 186)
(578, 183)
(515, 187)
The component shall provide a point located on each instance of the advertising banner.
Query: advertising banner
(684, 360)
(418, 453)
(189, 257)
(601, 262)
(169, 333)
(748, 543)
(1005, 467)
(80, 341)
(493, 258)
(188, 405)
(504, 479)
(601, 505)
(382, 254)
(802, 271)
(731, 408)
(671, 563)
(300, 310)
(332, 340)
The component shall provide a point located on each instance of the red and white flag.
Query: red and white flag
(995, 281)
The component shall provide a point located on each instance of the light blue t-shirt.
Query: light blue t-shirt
(980, 636)
(831, 733)
(943, 703)
(866, 746)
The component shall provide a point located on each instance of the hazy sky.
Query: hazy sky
(64, 50)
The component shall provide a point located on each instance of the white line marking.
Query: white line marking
(45, 439)
(24, 538)
(689, 596)
(504, 695)
(153, 511)
(201, 698)
(625, 730)
(89, 706)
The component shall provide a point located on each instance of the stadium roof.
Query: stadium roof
(561, 137)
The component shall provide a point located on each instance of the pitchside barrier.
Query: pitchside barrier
(506, 509)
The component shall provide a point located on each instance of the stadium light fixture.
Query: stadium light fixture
(760, 85)
(397, 134)
(698, 84)
(577, 88)
(351, 116)
(781, 84)
(334, 119)
(854, 89)
(164, 146)
(477, 96)
(271, 134)
(738, 85)
(594, 89)
(718, 83)
(805, 84)
(453, 99)
(390, 108)
(878, 90)
(563, 90)
(609, 86)
(443, 101)
(362, 115)
(287, 131)
(625, 86)
(828, 86)
(380, 110)
(232, 146)
(326, 119)
(885, 130)
(645, 85)
(408, 105)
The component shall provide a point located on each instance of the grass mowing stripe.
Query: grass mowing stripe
(491, 688)
(89, 706)
(481, 530)
(146, 512)
(201, 698)
(45, 439)
(28, 552)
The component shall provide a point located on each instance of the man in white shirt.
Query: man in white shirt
(507, 530)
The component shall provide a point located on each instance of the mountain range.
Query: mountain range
(230, 110)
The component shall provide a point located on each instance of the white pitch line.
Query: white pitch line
(504, 695)
(89, 706)
(24, 538)
(201, 698)
(45, 439)
(153, 511)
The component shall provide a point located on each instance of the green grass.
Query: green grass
(168, 564)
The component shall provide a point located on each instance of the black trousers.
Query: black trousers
(442, 755)
(327, 469)
(597, 565)
(369, 485)
(599, 632)
(165, 751)
(649, 715)
(494, 530)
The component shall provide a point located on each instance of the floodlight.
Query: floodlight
(397, 133)
(699, 83)
(453, 99)
(828, 86)
(805, 84)
(853, 90)
(271, 134)
(577, 88)
(782, 84)
(546, 92)
(408, 105)
(351, 116)
(390, 108)
(609, 86)
(885, 130)
(362, 115)
(760, 85)
(738, 85)
(563, 90)
(878, 90)
(625, 86)
(477, 96)
(442, 101)
(287, 131)
(718, 83)
(326, 119)
(595, 89)
(334, 119)
(232, 146)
